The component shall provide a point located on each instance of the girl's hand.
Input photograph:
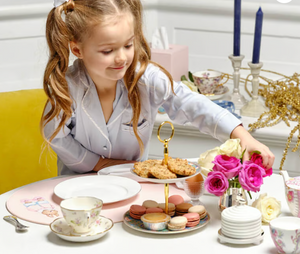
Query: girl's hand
(251, 144)
(105, 162)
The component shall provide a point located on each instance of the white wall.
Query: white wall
(206, 26)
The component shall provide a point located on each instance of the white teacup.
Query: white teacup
(209, 82)
(285, 232)
(81, 213)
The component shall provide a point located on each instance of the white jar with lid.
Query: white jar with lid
(241, 221)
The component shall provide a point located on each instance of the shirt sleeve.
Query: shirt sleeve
(73, 155)
(186, 106)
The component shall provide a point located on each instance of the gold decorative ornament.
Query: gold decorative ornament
(282, 97)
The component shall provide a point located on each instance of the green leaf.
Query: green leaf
(191, 77)
(183, 77)
(243, 155)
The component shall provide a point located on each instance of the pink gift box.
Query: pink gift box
(175, 59)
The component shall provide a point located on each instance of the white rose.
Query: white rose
(206, 158)
(269, 207)
(231, 147)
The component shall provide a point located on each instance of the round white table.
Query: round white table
(121, 239)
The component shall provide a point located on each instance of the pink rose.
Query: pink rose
(251, 176)
(257, 159)
(216, 183)
(229, 166)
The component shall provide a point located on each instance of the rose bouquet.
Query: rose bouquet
(227, 170)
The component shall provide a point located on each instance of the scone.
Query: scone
(143, 168)
(181, 167)
(162, 172)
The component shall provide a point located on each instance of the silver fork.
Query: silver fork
(19, 226)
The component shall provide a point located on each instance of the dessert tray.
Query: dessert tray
(255, 240)
(173, 180)
(139, 226)
(108, 188)
(64, 231)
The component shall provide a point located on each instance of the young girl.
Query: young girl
(101, 110)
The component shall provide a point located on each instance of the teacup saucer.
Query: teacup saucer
(255, 240)
(64, 231)
(218, 94)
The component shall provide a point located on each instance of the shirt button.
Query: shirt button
(105, 148)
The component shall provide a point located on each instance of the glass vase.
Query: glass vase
(229, 198)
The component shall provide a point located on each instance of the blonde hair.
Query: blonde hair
(80, 17)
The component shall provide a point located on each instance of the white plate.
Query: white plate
(174, 180)
(139, 226)
(255, 240)
(218, 95)
(117, 169)
(109, 189)
(121, 170)
(64, 231)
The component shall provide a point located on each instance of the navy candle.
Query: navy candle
(257, 36)
(237, 28)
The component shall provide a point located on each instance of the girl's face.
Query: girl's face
(109, 51)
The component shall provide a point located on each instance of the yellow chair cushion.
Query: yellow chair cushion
(21, 158)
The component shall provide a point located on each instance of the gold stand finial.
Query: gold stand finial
(165, 141)
(166, 155)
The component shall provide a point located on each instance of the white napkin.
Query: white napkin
(160, 39)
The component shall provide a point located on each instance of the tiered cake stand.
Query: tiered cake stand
(137, 224)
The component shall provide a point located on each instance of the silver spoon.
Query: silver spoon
(19, 226)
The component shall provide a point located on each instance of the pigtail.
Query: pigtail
(55, 84)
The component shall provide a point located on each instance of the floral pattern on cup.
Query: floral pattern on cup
(277, 239)
(81, 213)
(296, 241)
(208, 82)
(98, 204)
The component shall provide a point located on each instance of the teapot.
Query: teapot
(292, 192)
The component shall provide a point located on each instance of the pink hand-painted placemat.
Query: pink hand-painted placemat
(37, 202)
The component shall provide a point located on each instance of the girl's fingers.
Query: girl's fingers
(271, 159)
(268, 159)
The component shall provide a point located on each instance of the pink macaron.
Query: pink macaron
(176, 199)
(192, 218)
